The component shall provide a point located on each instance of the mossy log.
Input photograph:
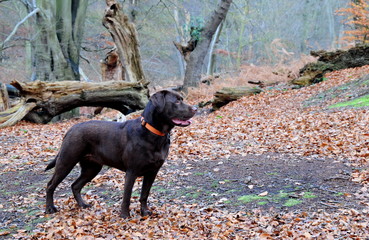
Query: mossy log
(229, 94)
(41, 101)
(331, 61)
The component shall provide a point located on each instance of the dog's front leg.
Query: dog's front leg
(128, 185)
(145, 191)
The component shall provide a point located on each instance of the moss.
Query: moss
(250, 198)
(215, 184)
(309, 195)
(193, 195)
(358, 102)
(282, 194)
(291, 202)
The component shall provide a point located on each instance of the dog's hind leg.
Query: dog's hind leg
(89, 170)
(60, 173)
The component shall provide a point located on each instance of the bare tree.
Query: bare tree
(196, 49)
(56, 46)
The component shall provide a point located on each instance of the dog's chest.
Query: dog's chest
(146, 155)
(158, 155)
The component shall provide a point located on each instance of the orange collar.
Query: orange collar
(151, 128)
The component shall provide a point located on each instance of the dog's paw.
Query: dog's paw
(85, 205)
(146, 212)
(51, 209)
(125, 215)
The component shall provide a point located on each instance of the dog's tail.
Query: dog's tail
(52, 163)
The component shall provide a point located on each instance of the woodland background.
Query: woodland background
(255, 32)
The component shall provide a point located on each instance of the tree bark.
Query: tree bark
(112, 68)
(197, 56)
(125, 37)
(41, 101)
(4, 97)
(56, 47)
(212, 55)
(179, 29)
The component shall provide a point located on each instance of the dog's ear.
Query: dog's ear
(158, 100)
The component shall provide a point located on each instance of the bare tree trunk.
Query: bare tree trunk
(212, 55)
(4, 98)
(70, 17)
(56, 47)
(181, 61)
(125, 37)
(197, 56)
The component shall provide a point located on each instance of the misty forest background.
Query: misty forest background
(254, 33)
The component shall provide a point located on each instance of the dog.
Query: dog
(138, 147)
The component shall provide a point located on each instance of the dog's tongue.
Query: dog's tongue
(181, 122)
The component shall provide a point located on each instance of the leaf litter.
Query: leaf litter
(213, 157)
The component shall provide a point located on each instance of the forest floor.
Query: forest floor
(281, 164)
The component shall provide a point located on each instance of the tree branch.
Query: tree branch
(17, 26)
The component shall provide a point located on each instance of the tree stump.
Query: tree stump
(41, 101)
(229, 94)
(112, 68)
(126, 40)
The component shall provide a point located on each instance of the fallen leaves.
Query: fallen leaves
(168, 223)
(278, 121)
(274, 121)
(190, 222)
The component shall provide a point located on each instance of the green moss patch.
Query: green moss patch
(309, 195)
(358, 102)
(292, 202)
(281, 197)
(250, 198)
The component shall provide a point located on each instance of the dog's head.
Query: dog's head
(169, 108)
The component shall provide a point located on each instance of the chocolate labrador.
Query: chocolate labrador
(138, 147)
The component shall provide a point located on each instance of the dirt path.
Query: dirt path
(269, 181)
(277, 181)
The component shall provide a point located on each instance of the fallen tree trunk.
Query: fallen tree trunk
(41, 101)
(331, 61)
(228, 94)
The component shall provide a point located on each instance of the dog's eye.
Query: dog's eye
(177, 101)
